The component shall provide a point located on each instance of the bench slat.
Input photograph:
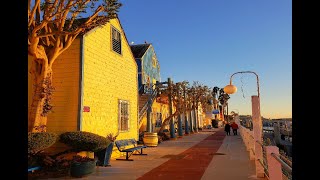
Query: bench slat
(132, 149)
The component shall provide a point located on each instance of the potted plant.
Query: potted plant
(105, 154)
(81, 141)
(37, 142)
(82, 166)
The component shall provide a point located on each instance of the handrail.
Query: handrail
(140, 88)
(286, 160)
(264, 167)
(284, 164)
(145, 106)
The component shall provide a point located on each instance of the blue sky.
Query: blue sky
(209, 40)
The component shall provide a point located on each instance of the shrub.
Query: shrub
(38, 141)
(84, 141)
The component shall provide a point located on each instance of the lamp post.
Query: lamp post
(256, 117)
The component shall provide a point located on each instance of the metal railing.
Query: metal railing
(286, 165)
(264, 161)
(265, 167)
(284, 162)
(143, 110)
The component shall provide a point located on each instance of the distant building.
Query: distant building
(148, 75)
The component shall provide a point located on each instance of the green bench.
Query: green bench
(129, 146)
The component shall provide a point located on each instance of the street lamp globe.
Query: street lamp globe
(230, 89)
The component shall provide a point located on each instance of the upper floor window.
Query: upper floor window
(154, 61)
(116, 40)
(123, 115)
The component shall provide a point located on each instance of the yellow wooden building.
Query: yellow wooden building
(96, 85)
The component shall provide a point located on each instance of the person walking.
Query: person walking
(227, 128)
(235, 127)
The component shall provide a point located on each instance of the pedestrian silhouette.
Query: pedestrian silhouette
(235, 127)
(227, 128)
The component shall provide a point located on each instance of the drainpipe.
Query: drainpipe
(80, 104)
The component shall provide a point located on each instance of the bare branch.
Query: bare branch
(64, 15)
(74, 15)
(33, 11)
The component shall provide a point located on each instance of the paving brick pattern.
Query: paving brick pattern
(190, 164)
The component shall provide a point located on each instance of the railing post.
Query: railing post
(274, 167)
(257, 134)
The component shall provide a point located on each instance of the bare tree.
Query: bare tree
(52, 26)
(195, 95)
(177, 101)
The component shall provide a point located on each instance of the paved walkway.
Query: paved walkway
(201, 156)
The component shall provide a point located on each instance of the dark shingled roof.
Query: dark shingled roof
(139, 50)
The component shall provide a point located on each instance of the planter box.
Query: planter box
(80, 169)
(104, 155)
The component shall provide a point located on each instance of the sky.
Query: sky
(209, 40)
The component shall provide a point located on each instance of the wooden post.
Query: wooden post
(180, 131)
(186, 125)
(172, 129)
(196, 120)
(191, 121)
(149, 110)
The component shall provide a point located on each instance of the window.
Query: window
(154, 61)
(116, 41)
(123, 115)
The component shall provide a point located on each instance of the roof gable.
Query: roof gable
(139, 50)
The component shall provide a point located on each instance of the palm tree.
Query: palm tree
(223, 99)
(215, 91)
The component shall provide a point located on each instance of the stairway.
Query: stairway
(143, 100)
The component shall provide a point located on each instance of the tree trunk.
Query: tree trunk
(222, 109)
(164, 123)
(41, 73)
